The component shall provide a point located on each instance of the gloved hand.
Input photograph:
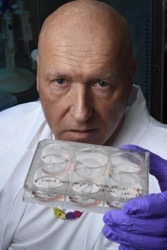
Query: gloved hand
(158, 165)
(141, 224)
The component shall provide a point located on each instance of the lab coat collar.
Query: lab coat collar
(136, 121)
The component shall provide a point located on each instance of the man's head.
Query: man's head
(85, 71)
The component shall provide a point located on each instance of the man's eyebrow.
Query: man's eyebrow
(107, 76)
(111, 76)
(54, 75)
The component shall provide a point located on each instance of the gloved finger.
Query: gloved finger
(136, 241)
(124, 247)
(163, 185)
(158, 168)
(134, 147)
(119, 219)
(116, 217)
(152, 205)
(158, 165)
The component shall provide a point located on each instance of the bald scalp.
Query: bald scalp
(87, 17)
(79, 9)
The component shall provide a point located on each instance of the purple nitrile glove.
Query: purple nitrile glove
(141, 224)
(123, 247)
(158, 165)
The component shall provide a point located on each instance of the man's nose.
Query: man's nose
(81, 108)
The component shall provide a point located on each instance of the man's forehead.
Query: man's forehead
(76, 30)
(78, 42)
(78, 55)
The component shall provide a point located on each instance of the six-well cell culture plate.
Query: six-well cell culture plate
(85, 176)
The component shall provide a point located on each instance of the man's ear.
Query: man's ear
(35, 58)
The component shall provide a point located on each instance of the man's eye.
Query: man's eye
(60, 81)
(102, 84)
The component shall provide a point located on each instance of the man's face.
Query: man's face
(83, 88)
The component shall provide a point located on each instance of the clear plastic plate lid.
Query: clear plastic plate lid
(85, 176)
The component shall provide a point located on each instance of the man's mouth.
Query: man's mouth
(81, 135)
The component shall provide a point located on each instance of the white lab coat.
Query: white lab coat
(34, 227)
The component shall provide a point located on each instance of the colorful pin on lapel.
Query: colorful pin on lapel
(59, 213)
(69, 215)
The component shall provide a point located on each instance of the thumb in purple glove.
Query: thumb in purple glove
(158, 165)
(123, 247)
(142, 224)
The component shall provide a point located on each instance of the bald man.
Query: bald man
(85, 82)
(85, 66)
